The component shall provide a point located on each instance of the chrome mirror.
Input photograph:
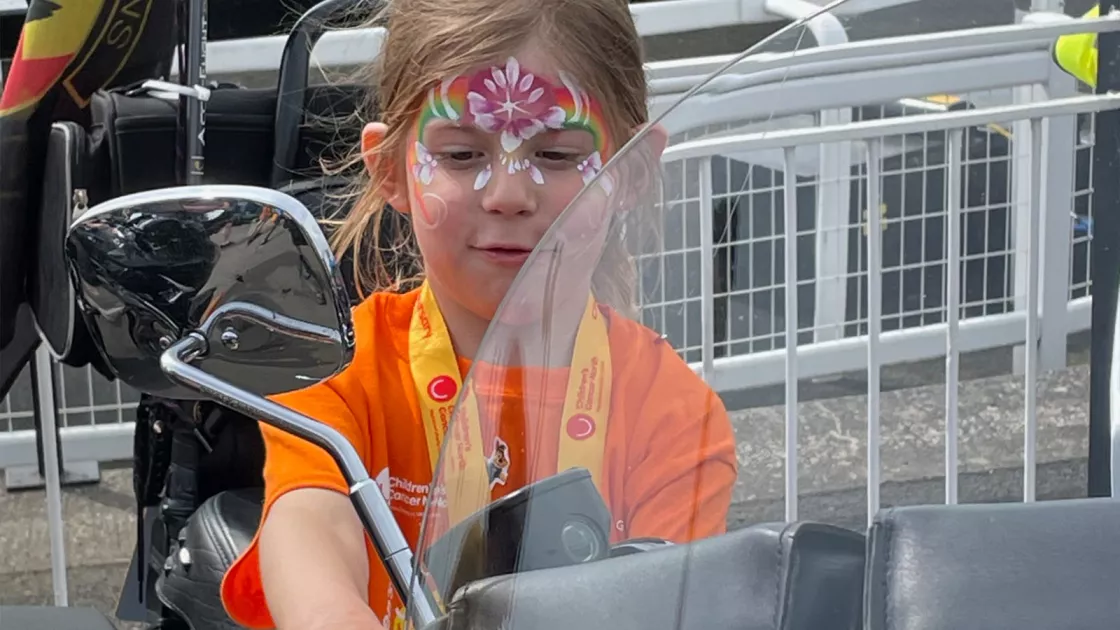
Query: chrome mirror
(243, 273)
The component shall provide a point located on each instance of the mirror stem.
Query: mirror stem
(365, 494)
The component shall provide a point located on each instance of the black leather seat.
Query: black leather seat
(768, 577)
(1019, 566)
(52, 618)
(209, 543)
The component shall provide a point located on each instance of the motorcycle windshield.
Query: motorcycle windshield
(586, 427)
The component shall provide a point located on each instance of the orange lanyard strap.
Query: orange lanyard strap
(435, 371)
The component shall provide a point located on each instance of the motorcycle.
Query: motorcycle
(267, 311)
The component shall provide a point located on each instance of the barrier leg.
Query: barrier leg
(45, 394)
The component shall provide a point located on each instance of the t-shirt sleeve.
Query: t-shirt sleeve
(683, 466)
(292, 462)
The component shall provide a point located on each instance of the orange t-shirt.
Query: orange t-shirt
(668, 469)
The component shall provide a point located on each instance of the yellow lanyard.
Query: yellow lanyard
(466, 471)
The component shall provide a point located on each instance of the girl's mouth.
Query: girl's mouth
(506, 255)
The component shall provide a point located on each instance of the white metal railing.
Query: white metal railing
(1114, 410)
(875, 349)
(885, 69)
(903, 50)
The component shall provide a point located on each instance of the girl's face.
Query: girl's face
(492, 160)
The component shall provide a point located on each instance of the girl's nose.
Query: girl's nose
(512, 187)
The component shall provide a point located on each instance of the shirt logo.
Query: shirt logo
(497, 465)
(383, 482)
(442, 388)
(580, 427)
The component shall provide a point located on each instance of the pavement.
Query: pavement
(831, 463)
(832, 441)
(100, 531)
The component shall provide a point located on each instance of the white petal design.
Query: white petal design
(535, 173)
(487, 122)
(483, 177)
(554, 117)
(530, 128)
(510, 141)
(425, 172)
(477, 104)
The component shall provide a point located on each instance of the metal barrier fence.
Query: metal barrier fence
(1019, 273)
(964, 323)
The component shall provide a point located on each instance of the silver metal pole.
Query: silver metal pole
(44, 388)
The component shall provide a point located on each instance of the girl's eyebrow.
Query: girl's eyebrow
(569, 133)
(442, 125)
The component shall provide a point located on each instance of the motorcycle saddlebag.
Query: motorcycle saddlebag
(134, 140)
(134, 137)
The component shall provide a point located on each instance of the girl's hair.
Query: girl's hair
(429, 40)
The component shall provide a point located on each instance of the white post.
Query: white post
(1057, 204)
(1059, 146)
(833, 186)
(44, 391)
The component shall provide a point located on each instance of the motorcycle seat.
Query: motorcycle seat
(1027, 566)
(801, 576)
(214, 536)
(52, 618)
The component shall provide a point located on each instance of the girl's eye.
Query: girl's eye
(462, 156)
(559, 158)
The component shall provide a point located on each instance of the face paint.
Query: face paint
(433, 211)
(483, 177)
(423, 164)
(518, 105)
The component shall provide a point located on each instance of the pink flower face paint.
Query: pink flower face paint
(516, 104)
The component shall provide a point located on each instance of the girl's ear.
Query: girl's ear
(384, 175)
(656, 140)
(640, 171)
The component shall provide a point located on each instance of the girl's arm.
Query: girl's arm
(681, 490)
(314, 566)
(308, 566)
(679, 485)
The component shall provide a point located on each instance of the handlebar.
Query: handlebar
(368, 501)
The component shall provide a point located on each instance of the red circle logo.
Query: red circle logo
(442, 388)
(580, 426)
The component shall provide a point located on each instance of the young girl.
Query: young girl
(493, 114)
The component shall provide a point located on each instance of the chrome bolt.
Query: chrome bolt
(230, 339)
